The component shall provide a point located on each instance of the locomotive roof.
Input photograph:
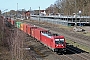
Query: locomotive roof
(49, 34)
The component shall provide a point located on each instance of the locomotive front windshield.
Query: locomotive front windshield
(59, 41)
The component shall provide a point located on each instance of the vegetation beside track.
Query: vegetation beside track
(4, 48)
(75, 44)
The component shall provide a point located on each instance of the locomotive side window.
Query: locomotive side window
(59, 41)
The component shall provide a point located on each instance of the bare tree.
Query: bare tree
(68, 7)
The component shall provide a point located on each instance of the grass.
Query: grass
(87, 34)
(66, 27)
(80, 46)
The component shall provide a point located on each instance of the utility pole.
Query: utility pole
(17, 10)
(30, 8)
(39, 13)
(75, 14)
(58, 6)
(30, 12)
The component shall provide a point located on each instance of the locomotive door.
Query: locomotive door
(51, 43)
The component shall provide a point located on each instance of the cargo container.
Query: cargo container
(18, 24)
(37, 33)
(21, 26)
(25, 27)
(29, 29)
(32, 32)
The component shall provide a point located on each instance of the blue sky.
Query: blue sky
(25, 4)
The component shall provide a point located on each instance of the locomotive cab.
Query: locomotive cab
(60, 44)
(53, 41)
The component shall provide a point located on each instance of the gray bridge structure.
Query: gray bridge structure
(64, 20)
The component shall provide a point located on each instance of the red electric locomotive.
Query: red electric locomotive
(53, 41)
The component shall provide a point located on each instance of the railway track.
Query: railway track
(78, 53)
(29, 43)
(69, 57)
(41, 52)
(70, 35)
(74, 36)
(86, 55)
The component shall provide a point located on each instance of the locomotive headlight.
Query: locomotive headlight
(62, 44)
(57, 45)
